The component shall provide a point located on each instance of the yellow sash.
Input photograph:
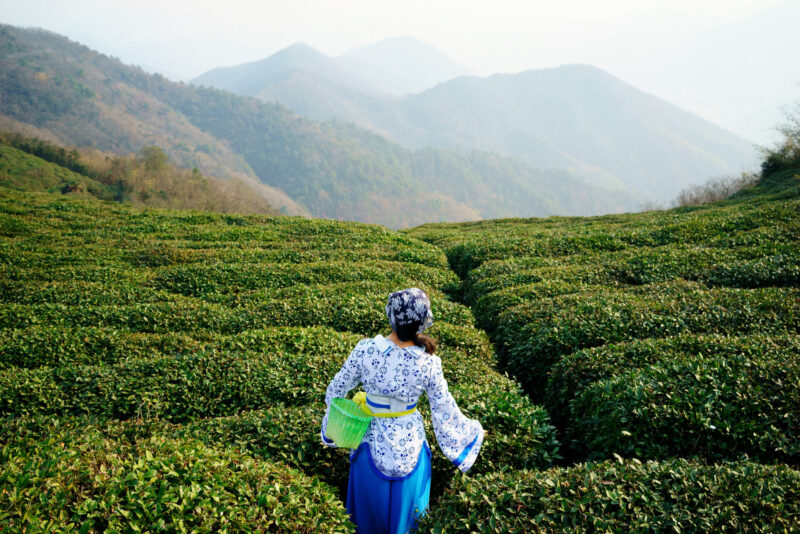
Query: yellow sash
(360, 398)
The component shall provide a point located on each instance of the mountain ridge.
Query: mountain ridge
(325, 169)
(576, 117)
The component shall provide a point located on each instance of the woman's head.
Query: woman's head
(409, 313)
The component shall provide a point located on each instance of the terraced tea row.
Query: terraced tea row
(74, 478)
(675, 495)
(203, 332)
(716, 285)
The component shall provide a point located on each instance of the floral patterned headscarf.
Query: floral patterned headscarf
(409, 306)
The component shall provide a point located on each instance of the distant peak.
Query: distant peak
(300, 48)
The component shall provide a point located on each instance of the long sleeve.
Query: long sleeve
(346, 379)
(459, 438)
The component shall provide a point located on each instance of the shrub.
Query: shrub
(175, 388)
(39, 346)
(573, 373)
(203, 279)
(82, 481)
(676, 495)
(534, 336)
(777, 270)
(735, 402)
(715, 189)
(488, 308)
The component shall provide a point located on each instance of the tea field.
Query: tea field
(166, 370)
(665, 346)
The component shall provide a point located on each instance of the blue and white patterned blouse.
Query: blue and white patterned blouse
(404, 374)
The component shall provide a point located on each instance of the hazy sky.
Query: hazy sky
(183, 38)
(489, 36)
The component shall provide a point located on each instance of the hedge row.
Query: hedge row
(251, 370)
(355, 312)
(761, 266)
(177, 388)
(671, 496)
(80, 293)
(175, 252)
(470, 245)
(343, 309)
(573, 373)
(534, 336)
(744, 267)
(741, 400)
(202, 279)
(488, 308)
(78, 480)
(39, 346)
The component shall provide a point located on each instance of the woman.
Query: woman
(390, 472)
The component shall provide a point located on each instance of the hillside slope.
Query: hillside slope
(194, 349)
(666, 348)
(147, 179)
(329, 169)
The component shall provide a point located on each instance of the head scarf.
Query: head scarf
(409, 306)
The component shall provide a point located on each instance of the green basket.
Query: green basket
(347, 423)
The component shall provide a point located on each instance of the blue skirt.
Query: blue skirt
(379, 504)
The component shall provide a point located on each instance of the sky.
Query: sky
(637, 40)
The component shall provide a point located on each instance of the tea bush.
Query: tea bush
(81, 481)
(202, 279)
(676, 495)
(577, 371)
(213, 337)
(39, 346)
(534, 336)
(741, 404)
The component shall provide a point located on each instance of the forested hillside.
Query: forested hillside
(83, 99)
(146, 179)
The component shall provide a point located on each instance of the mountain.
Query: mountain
(78, 97)
(402, 65)
(580, 114)
(303, 79)
(575, 117)
(251, 78)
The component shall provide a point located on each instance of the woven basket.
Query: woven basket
(347, 423)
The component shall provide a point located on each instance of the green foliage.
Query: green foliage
(22, 171)
(631, 496)
(75, 479)
(662, 334)
(180, 388)
(707, 396)
(47, 345)
(48, 152)
(535, 335)
(212, 337)
(202, 279)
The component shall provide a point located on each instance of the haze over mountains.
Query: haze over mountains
(64, 92)
(738, 75)
(576, 117)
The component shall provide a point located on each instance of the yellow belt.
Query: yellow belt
(360, 398)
